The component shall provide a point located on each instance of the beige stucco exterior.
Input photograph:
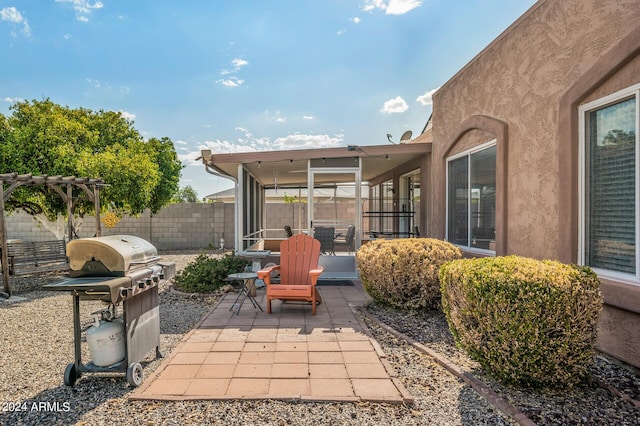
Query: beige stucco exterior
(524, 91)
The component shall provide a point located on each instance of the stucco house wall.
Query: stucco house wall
(524, 91)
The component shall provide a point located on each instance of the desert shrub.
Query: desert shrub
(207, 274)
(527, 322)
(403, 273)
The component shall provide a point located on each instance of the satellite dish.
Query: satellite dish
(406, 136)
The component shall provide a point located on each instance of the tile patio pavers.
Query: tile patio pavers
(289, 354)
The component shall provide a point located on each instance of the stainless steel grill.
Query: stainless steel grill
(118, 269)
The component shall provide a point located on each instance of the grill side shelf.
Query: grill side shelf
(104, 288)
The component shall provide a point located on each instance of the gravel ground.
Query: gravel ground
(589, 404)
(37, 344)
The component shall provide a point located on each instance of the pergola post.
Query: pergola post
(3, 241)
(96, 207)
(69, 201)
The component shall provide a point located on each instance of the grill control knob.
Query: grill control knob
(140, 284)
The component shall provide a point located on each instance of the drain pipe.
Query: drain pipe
(206, 154)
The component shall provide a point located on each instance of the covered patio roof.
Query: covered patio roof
(255, 172)
(289, 167)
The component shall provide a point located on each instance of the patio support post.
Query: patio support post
(358, 219)
(310, 185)
(239, 222)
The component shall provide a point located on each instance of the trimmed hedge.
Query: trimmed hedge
(527, 322)
(403, 273)
(207, 274)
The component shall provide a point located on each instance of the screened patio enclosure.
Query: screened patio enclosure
(326, 188)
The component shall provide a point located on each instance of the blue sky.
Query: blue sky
(241, 75)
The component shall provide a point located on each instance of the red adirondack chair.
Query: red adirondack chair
(299, 272)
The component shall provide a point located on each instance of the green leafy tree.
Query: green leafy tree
(44, 138)
(186, 195)
(619, 137)
(169, 166)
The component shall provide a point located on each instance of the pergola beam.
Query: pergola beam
(14, 180)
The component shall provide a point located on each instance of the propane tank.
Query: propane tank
(106, 342)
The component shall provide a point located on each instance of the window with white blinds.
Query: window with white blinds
(609, 194)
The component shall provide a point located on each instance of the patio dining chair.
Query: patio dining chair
(299, 272)
(326, 236)
(348, 239)
(288, 230)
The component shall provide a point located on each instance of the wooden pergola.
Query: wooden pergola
(61, 185)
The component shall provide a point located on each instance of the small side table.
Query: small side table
(247, 290)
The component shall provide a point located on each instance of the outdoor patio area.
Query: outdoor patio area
(289, 354)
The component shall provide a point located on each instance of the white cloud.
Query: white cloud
(370, 5)
(217, 147)
(13, 100)
(247, 142)
(11, 14)
(94, 83)
(300, 141)
(340, 32)
(231, 82)
(355, 20)
(189, 158)
(239, 63)
(394, 106)
(427, 97)
(83, 8)
(277, 117)
(400, 7)
(308, 117)
(129, 116)
(243, 130)
(393, 7)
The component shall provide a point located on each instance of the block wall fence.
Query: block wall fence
(182, 226)
(175, 227)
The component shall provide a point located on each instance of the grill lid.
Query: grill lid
(109, 255)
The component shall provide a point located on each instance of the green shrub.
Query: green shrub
(207, 274)
(527, 322)
(403, 273)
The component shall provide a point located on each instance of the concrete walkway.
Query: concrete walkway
(289, 355)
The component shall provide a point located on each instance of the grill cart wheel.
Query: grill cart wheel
(135, 374)
(70, 375)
